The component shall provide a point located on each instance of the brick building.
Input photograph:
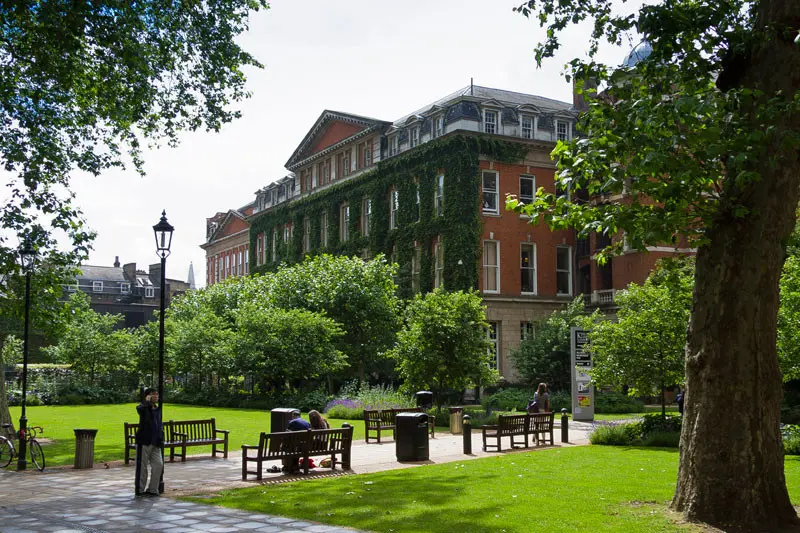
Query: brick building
(428, 191)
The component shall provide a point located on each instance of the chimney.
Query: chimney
(116, 262)
(129, 271)
(580, 100)
(155, 274)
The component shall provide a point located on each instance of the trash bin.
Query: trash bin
(411, 437)
(84, 447)
(424, 399)
(456, 422)
(280, 418)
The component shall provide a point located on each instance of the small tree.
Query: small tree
(644, 346)
(444, 344)
(545, 356)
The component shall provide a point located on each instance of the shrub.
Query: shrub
(654, 422)
(662, 439)
(510, 399)
(616, 402)
(615, 435)
(791, 439)
(479, 417)
(560, 400)
(344, 409)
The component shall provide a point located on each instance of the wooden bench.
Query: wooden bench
(296, 445)
(384, 420)
(180, 434)
(540, 425)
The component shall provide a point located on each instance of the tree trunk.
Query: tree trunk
(731, 470)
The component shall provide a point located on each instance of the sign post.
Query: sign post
(582, 389)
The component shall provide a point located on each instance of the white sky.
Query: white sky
(368, 57)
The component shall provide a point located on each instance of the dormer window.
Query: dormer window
(149, 292)
(438, 126)
(526, 127)
(125, 287)
(414, 137)
(490, 121)
(562, 130)
(97, 286)
(392, 145)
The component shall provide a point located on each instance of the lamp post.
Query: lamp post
(163, 233)
(27, 256)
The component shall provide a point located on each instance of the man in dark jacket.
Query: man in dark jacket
(149, 439)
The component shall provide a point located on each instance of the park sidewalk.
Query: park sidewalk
(102, 499)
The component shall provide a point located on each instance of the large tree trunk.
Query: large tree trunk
(731, 467)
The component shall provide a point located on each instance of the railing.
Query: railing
(599, 298)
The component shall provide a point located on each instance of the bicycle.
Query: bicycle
(8, 452)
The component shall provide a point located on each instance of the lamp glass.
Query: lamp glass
(163, 234)
(27, 257)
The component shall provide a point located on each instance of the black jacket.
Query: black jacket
(151, 430)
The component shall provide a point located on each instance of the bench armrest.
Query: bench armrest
(179, 434)
(226, 431)
(489, 427)
(249, 447)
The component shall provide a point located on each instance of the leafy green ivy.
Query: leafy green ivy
(410, 173)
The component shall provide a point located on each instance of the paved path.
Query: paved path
(101, 499)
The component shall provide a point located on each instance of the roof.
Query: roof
(101, 273)
(510, 98)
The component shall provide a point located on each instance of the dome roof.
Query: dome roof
(639, 52)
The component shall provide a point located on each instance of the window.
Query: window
(562, 130)
(227, 265)
(326, 171)
(527, 267)
(414, 137)
(323, 229)
(246, 261)
(72, 287)
(366, 214)
(491, 196)
(491, 266)
(366, 154)
(490, 121)
(286, 234)
(438, 200)
(392, 145)
(494, 352)
(97, 286)
(438, 258)
(306, 235)
(259, 248)
(527, 189)
(525, 330)
(216, 270)
(416, 185)
(344, 222)
(564, 270)
(438, 126)
(416, 260)
(394, 202)
(124, 287)
(393, 255)
(526, 127)
(240, 268)
(149, 292)
(275, 245)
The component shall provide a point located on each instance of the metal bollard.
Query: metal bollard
(467, 430)
(564, 425)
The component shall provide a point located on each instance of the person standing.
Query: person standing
(149, 439)
(541, 398)
(679, 400)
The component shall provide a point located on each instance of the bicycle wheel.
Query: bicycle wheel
(6, 452)
(37, 455)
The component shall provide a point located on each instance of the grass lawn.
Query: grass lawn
(588, 488)
(58, 422)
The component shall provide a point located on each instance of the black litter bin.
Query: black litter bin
(411, 437)
(424, 399)
(280, 418)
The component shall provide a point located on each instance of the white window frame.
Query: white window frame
(493, 334)
(125, 288)
(306, 234)
(490, 124)
(149, 292)
(227, 265)
(394, 205)
(522, 128)
(286, 234)
(393, 145)
(366, 215)
(566, 136)
(418, 209)
(240, 265)
(438, 126)
(72, 287)
(216, 269)
(531, 267)
(367, 154)
(491, 271)
(568, 270)
(323, 229)
(246, 261)
(259, 247)
(416, 268)
(438, 197)
(438, 265)
(496, 192)
(97, 286)
(413, 137)
(344, 222)
(346, 163)
(274, 245)
(527, 199)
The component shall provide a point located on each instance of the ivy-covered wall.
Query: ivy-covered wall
(460, 225)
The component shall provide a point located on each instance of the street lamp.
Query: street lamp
(163, 233)
(27, 259)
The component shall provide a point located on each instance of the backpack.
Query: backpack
(533, 406)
